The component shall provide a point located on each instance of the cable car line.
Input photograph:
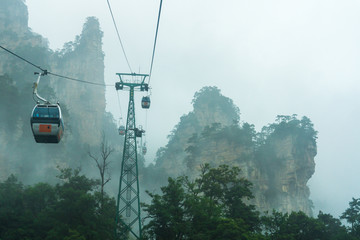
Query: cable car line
(79, 80)
(156, 33)
(117, 31)
(38, 67)
(121, 128)
(119, 103)
(45, 72)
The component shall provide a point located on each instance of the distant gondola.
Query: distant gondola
(145, 102)
(144, 150)
(46, 123)
(139, 132)
(121, 130)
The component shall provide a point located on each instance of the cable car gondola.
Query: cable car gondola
(46, 123)
(121, 130)
(145, 102)
(46, 119)
(144, 150)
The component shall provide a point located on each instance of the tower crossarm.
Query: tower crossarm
(132, 80)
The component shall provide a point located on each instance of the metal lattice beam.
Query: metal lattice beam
(128, 221)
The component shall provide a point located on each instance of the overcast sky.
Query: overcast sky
(270, 56)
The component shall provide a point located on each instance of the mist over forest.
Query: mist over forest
(217, 177)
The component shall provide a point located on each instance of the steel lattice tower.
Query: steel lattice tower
(128, 220)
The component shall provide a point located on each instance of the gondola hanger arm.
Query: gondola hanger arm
(36, 84)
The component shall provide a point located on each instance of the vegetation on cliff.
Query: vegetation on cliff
(279, 159)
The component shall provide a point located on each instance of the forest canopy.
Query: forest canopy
(213, 206)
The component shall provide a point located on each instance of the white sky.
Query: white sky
(271, 57)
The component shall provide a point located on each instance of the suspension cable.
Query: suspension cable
(79, 80)
(117, 92)
(146, 120)
(38, 67)
(117, 31)
(54, 74)
(156, 33)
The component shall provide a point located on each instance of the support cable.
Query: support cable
(117, 31)
(79, 80)
(54, 74)
(146, 119)
(38, 67)
(119, 104)
(156, 33)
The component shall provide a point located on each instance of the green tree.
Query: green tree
(224, 186)
(68, 210)
(74, 235)
(333, 230)
(299, 226)
(352, 216)
(201, 211)
(13, 223)
(167, 212)
(273, 225)
(302, 227)
(203, 208)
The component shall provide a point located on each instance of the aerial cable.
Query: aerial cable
(79, 80)
(38, 67)
(117, 31)
(54, 74)
(117, 92)
(146, 119)
(156, 33)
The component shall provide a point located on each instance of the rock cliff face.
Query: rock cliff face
(83, 105)
(283, 184)
(14, 16)
(15, 34)
(279, 161)
(206, 111)
(83, 59)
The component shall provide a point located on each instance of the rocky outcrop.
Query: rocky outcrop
(83, 105)
(84, 60)
(279, 161)
(13, 16)
(283, 186)
(214, 108)
(16, 35)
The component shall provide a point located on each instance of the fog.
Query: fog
(270, 57)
